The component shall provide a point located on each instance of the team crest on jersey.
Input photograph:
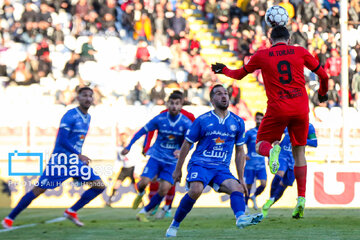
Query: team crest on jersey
(82, 137)
(219, 141)
(181, 128)
(233, 127)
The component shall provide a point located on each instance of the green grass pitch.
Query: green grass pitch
(201, 223)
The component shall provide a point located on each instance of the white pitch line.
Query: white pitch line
(59, 219)
(17, 227)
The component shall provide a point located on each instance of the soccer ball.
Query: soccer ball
(276, 16)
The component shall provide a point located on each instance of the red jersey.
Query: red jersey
(282, 68)
(150, 135)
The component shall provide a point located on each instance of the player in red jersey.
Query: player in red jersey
(282, 67)
(154, 185)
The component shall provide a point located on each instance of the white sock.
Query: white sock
(142, 210)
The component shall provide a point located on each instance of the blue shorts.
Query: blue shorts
(163, 170)
(213, 177)
(250, 174)
(55, 174)
(289, 176)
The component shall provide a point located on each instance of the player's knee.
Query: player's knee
(143, 182)
(195, 191)
(163, 190)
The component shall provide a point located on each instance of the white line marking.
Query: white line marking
(17, 227)
(59, 219)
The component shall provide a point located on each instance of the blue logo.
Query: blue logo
(13, 172)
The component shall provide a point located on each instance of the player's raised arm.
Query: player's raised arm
(313, 64)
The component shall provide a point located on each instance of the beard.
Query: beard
(85, 106)
(222, 107)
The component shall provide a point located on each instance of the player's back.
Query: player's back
(282, 68)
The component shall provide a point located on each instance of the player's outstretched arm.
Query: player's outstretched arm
(185, 148)
(240, 158)
(137, 135)
(218, 68)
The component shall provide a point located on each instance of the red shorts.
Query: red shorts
(272, 128)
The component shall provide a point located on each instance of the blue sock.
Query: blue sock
(237, 203)
(184, 208)
(259, 190)
(86, 197)
(275, 183)
(24, 203)
(279, 192)
(155, 200)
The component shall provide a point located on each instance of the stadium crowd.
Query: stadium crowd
(138, 51)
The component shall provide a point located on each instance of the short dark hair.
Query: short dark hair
(176, 95)
(213, 89)
(259, 114)
(178, 92)
(279, 33)
(83, 89)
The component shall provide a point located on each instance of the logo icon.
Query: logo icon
(171, 137)
(18, 164)
(219, 141)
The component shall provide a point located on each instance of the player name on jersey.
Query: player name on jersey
(281, 52)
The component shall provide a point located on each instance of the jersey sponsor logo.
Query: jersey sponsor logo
(223, 134)
(215, 154)
(289, 94)
(170, 145)
(171, 137)
(170, 132)
(219, 141)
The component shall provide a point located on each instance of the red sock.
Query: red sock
(300, 176)
(154, 186)
(264, 148)
(170, 196)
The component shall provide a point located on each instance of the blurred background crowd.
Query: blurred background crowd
(136, 52)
